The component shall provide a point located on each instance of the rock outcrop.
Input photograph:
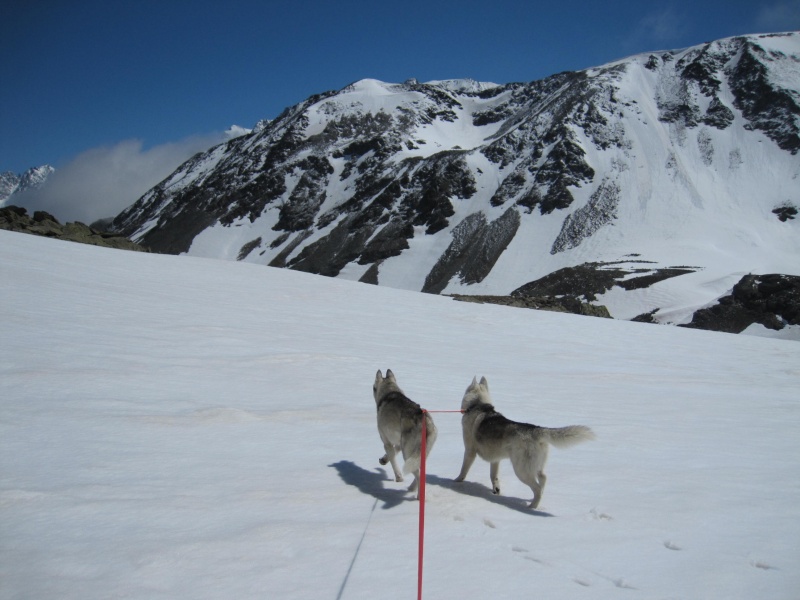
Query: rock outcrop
(16, 218)
(770, 300)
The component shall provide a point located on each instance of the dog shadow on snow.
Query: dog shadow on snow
(478, 490)
(372, 484)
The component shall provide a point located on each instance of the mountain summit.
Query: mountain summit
(11, 183)
(651, 184)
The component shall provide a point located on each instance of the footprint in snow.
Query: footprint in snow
(671, 545)
(488, 523)
(600, 516)
(621, 583)
(760, 564)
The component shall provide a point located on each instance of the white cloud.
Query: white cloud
(779, 16)
(101, 182)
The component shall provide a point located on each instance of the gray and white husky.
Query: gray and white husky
(491, 436)
(400, 427)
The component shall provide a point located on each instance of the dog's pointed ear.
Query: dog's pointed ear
(378, 376)
(474, 380)
(390, 375)
(484, 383)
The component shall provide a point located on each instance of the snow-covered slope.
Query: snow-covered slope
(672, 159)
(180, 428)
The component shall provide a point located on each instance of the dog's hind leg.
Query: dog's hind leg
(538, 489)
(494, 476)
(390, 457)
(528, 463)
(469, 458)
(415, 484)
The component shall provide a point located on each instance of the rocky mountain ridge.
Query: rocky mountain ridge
(13, 183)
(679, 170)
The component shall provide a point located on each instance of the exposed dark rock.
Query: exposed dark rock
(391, 240)
(584, 222)
(586, 281)
(330, 254)
(15, 218)
(176, 232)
(770, 109)
(428, 200)
(283, 255)
(787, 212)
(771, 300)
(371, 275)
(718, 115)
(589, 280)
(651, 278)
(551, 303)
(648, 317)
(248, 248)
(476, 246)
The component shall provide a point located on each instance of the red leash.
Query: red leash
(422, 460)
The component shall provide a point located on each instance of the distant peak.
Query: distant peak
(463, 85)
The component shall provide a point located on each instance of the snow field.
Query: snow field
(175, 427)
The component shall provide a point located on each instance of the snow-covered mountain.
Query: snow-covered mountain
(666, 176)
(12, 183)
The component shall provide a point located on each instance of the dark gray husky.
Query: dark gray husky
(400, 427)
(491, 436)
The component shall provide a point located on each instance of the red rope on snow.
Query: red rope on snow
(422, 460)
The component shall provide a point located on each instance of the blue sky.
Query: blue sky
(152, 79)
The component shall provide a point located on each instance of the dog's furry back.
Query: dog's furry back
(400, 421)
(488, 425)
(493, 437)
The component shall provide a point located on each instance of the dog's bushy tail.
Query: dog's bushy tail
(564, 437)
(414, 442)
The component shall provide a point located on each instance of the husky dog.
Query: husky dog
(490, 435)
(400, 427)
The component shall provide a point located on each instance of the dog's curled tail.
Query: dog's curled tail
(411, 464)
(564, 437)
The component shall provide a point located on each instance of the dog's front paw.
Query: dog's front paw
(459, 479)
(383, 460)
(398, 478)
(496, 490)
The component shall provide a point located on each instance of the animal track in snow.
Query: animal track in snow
(622, 584)
(600, 516)
(669, 545)
(488, 523)
(760, 564)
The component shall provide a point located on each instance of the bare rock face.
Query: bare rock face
(770, 300)
(552, 303)
(588, 280)
(476, 246)
(15, 218)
